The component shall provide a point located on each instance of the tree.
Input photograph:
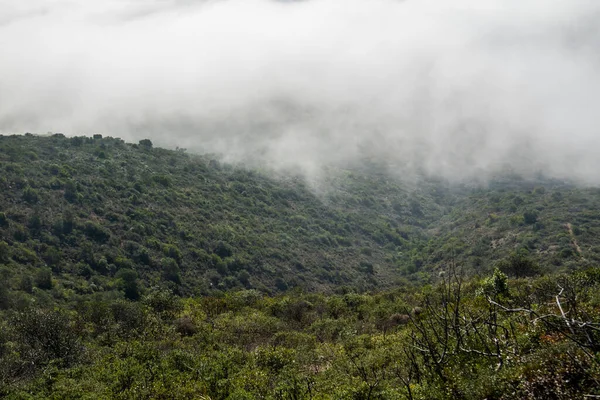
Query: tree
(71, 194)
(530, 217)
(30, 195)
(26, 284)
(495, 285)
(43, 279)
(3, 220)
(43, 336)
(223, 250)
(171, 270)
(519, 264)
(164, 302)
(146, 143)
(4, 297)
(128, 282)
(4, 250)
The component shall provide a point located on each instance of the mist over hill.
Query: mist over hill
(457, 88)
(90, 207)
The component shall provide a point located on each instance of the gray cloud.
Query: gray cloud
(458, 87)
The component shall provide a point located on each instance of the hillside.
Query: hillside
(88, 208)
(135, 272)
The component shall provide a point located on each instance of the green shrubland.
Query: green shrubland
(131, 271)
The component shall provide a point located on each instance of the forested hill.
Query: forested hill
(83, 210)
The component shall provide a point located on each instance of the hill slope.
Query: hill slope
(88, 208)
(130, 272)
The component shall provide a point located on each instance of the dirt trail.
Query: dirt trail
(573, 239)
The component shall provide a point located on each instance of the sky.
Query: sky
(457, 88)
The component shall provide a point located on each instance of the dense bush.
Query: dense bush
(258, 230)
(460, 338)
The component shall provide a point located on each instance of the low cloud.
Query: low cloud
(460, 88)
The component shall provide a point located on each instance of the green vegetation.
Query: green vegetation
(493, 338)
(131, 271)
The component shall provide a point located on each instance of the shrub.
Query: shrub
(52, 256)
(185, 326)
(4, 252)
(163, 302)
(172, 251)
(71, 194)
(131, 317)
(146, 143)
(30, 195)
(128, 283)
(4, 297)
(96, 232)
(530, 217)
(163, 180)
(43, 336)
(26, 284)
(519, 264)
(223, 250)
(43, 278)
(171, 270)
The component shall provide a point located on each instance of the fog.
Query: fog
(460, 88)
